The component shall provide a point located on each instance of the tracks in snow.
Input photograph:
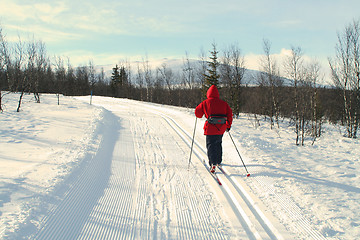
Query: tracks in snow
(258, 222)
(247, 211)
(136, 187)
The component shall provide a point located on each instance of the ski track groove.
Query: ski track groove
(245, 221)
(196, 215)
(286, 204)
(264, 222)
(292, 209)
(199, 209)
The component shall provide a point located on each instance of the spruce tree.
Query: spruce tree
(212, 78)
(123, 77)
(115, 80)
(115, 75)
(119, 81)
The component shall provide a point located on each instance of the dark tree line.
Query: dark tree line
(25, 67)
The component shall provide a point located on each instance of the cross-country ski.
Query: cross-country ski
(212, 173)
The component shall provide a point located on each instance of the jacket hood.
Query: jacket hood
(212, 92)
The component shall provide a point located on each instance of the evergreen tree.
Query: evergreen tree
(123, 77)
(212, 78)
(119, 81)
(115, 75)
(115, 80)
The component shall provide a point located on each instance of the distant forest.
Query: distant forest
(25, 67)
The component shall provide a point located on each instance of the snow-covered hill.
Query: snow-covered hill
(251, 77)
(119, 169)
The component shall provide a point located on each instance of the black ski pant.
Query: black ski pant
(214, 149)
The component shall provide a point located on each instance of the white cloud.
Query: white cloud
(40, 19)
(55, 9)
(13, 11)
(26, 12)
(47, 35)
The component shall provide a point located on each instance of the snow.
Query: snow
(119, 169)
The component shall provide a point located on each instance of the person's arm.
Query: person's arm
(229, 116)
(199, 112)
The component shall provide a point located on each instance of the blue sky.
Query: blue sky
(108, 31)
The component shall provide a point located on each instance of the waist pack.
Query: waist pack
(217, 119)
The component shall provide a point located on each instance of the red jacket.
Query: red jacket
(214, 105)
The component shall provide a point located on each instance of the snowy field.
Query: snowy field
(118, 169)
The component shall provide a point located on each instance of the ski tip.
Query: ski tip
(248, 175)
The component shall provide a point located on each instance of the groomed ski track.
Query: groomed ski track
(138, 186)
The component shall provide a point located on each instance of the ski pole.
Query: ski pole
(248, 174)
(192, 143)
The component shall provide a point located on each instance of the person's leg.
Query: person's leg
(218, 146)
(214, 149)
(210, 149)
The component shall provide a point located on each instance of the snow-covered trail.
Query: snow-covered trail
(119, 170)
(138, 187)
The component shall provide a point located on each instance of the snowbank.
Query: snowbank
(39, 147)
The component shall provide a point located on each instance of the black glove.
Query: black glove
(228, 129)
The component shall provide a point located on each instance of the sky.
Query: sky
(109, 31)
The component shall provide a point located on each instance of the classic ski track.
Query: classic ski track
(188, 211)
(227, 184)
(303, 225)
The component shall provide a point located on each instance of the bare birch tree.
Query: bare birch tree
(140, 80)
(19, 80)
(4, 65)
(36, 66)
(60, 76)
(166, 77)
(271, 80)
(188, 71)
(201, 71)
(232, 74)
(315, 113)
(92, 75)
(148, 78)
(294, 69)
(345, 69)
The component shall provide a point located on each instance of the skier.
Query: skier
(219, 120)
